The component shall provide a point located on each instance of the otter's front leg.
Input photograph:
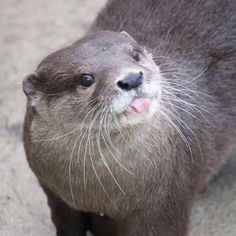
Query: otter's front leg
(68, 222)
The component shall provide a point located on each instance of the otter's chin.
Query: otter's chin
(139, 110)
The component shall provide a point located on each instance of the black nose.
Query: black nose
(132, 80)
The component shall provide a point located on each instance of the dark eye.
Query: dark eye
(136, 55)
(87, 80)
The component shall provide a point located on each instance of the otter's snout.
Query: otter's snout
(131, 81)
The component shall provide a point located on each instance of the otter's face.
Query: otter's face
(104, 77)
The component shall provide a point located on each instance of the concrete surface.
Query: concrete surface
(29, 30)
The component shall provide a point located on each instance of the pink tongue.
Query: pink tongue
(140, 104)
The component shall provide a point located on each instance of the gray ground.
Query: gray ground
(28, 31)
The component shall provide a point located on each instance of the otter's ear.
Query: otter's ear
(127, 35)
(29, 85)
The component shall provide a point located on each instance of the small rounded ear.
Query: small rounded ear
(127, 35)
(29, 85)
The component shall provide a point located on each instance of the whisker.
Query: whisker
(107, 134)
(187, 126)
(104, 160)
(179, 132)
(71, 158)
(122, 24)
(86, 146)
(66, 134)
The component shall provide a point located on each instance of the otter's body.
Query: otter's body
(121, 140)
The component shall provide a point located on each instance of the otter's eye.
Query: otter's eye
(87, 80)
(136, 55)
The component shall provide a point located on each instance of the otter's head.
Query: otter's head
(106, 77)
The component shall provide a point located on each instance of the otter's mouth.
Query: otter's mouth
(139, 110)
(137, 107)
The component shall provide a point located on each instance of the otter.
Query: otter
(125, 126)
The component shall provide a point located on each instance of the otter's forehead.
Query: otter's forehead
(94, 49)
(100, 43)
(103, 39)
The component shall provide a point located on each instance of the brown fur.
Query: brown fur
(144, 176)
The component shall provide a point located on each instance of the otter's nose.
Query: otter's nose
(131, 81)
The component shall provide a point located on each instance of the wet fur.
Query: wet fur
(162, 163)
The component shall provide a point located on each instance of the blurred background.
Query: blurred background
(29, 30)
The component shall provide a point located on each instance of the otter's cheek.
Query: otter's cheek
(153, 89)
